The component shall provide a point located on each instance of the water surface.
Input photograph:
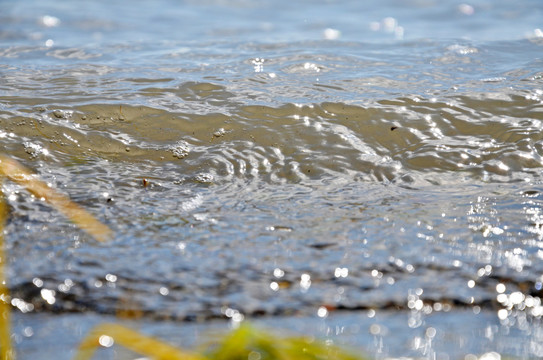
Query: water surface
(357, 166)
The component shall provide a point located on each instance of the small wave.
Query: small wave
(481, 138)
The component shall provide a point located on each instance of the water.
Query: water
(368, 173)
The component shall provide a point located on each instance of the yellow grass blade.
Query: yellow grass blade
(247, 340)
(6, 351)
(132, 340)
(84, 220)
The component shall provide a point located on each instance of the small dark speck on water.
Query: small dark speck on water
(321, 246)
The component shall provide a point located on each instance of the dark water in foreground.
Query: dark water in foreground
(367, 174)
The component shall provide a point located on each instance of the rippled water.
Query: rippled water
(340, 169)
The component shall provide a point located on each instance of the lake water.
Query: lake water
(364, 172)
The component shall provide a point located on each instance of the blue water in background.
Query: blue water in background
(98, 23)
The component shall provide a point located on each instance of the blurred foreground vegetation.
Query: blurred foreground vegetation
(246, 342)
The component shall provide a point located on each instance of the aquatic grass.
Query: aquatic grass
(16, 172)
(246, 342)
(6, 351)
(107, 334)
(12, 170)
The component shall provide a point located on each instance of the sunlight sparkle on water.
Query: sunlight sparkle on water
(258, 65)
(22, 305)
(502, 314)
(164, 291)
(66, 286)
(388, 25)
(106, 341)
(48, 295)
(322, 312)
(331, 34)
(28, 331)
(278, 273)
(305, 282)
(50, 21)
(341, 272)
(466, 9)
(37, 282)
(233, 314)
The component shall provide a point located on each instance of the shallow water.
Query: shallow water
(311, 160)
